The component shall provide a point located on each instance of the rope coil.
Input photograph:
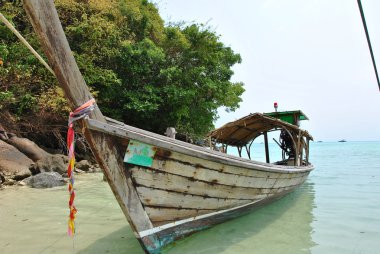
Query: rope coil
(77, 114)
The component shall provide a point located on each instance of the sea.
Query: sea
(336, 211)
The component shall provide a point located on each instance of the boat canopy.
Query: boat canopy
(292, 117)
(244, 130)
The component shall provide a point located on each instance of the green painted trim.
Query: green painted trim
(139, 153)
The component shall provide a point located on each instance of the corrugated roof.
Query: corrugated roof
(244, 130)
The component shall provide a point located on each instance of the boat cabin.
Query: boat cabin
(292, 117)
(293, 141)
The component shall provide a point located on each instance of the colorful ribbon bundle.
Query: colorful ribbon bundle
(77, 114)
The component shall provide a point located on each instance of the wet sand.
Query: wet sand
(35, 220)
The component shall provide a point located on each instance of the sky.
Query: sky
(308, 55)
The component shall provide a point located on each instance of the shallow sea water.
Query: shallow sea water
(337, 210)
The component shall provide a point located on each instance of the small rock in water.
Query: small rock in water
(44, 180)
(78, 171)
(95, 170)
(83, 165)
(51, 163)
(9, 182)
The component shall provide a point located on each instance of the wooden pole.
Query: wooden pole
(44, 18)
(266, 147)
(248, 151)
(18, 35)
(368, 41)
(239, 150)
(307, 150)
(298, 150)
(301, 150)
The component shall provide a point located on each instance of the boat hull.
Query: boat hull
(169, 233)
(184, 188)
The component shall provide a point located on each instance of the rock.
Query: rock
(51, 163)
(83, 165)
(78, 171)
(27, 147)
(2, 178)
(3, 133)
(14, 164)
(44, 180)
(10, 182)
(95, 170)
(22, 183)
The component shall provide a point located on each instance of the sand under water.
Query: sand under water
(336, 211)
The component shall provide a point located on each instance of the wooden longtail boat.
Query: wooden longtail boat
(166, 188)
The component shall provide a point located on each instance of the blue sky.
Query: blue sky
(305, 54)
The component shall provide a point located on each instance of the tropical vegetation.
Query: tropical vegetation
(141, 71)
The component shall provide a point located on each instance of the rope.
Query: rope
(77, 114)
(368, 41)
(9, 25)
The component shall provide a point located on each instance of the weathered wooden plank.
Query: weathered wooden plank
(207, 175)
(163, 180)
(122, 126)
(160, 215)
(289, 182)
(217, 166)
(162, 198)
(45, 21)
(156, 180)
(129, 132)
(172, 231)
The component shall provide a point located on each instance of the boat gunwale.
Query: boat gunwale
(122, 130)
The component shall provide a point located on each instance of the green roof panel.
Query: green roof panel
(291, 117)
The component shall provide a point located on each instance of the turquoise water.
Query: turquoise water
(336, 211)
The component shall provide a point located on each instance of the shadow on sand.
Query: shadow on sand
(119, 241)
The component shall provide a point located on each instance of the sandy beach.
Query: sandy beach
(35, 220)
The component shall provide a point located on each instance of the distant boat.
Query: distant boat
(167, 188)
(342, 140)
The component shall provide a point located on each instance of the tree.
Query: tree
(141, 72)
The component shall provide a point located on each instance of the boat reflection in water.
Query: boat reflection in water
(284, 226)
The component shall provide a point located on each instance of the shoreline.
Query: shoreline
(24, 162)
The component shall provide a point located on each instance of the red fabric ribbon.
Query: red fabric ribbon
(79, 113)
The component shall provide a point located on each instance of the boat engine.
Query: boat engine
(287, 143)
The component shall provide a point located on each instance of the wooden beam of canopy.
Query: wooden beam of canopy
(237, 133)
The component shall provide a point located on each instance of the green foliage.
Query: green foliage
(141, 72)
(6, 99)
